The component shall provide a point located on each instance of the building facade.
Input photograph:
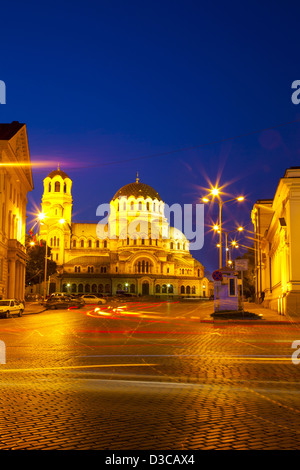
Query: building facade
(15, 183)
(277, 248)
(132, 250)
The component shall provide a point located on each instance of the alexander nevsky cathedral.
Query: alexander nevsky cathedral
(151, 260)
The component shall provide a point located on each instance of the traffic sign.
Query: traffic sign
(217, 276)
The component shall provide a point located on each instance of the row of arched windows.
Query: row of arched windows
(155, 207)
(164, 289)
(57, 187)
(90, 269)
(188, 290)
(87, 243)
(87, 288)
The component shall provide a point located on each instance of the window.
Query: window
(182, 290)
(57, 187)
(94, 288)
(193, 290)
(157, 289)
(90, 269)
(90, 243)
(77, 269)
(82, 243)
(164, 289)
(100, 288)
(231, 287)
(80, 288)
(107, 288)
(170, 289)
(148, 206)
(97, 244)
(131, 206)
(105, 244)
(87, 289)
(74, 243)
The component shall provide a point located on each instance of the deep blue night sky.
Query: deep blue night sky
(107, 89)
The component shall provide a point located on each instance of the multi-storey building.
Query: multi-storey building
(277, 248)
(106, 257)
(15, 183)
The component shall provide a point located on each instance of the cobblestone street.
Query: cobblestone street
(148, 377)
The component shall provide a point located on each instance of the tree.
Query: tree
(35, 263)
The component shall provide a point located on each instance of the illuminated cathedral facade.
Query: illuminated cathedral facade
(103, 258)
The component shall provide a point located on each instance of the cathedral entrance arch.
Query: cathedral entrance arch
(145, 288)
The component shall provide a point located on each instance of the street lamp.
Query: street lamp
(41, 217)
(215, 192)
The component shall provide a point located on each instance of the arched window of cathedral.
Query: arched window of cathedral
(171, 245)
(105, 244)
(182, 290)
(170, 289)
(90, 269)
(148, 206)
(164, 289)
(77, 269)
(94, 288)
(57, 241)
(188, 289)
(87, 288)
(100, 288)
(82, 243)
(132, 288)
(107, 288)
(193, 290)
(97, 244)
(143, 241)
(132, 206)
(143, 266)
(90, 243)
(49, 187)
(140, 206)
(74, 288)
(154, 207)
(157, 289)
(51, 242)
(127, 241)
(57, 187)
(74, 243)
(80, 288)
(124, 206)
(54, 241)
(65, 188)
(183, 246)
(178, 246)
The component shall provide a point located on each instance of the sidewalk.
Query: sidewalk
(33, 307)
(267, 315)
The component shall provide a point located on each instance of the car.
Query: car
(55, 303)
(10, 307)
(92, 299)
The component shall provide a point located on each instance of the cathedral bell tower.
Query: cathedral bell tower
(57, 205)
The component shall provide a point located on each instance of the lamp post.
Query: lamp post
(215, 192)
(41, 217)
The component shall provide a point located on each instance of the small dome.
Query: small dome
(58, 172)
(137, 189)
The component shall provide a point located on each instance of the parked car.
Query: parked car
(10, 307)
(63, 302)
(92, 299)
